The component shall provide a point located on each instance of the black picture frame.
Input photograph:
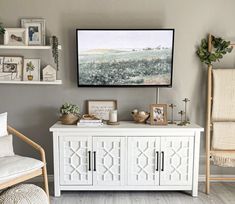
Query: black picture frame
(127, 86)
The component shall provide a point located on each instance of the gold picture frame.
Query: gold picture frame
(158, 114)
(101, 108)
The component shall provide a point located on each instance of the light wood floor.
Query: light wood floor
(221, 193)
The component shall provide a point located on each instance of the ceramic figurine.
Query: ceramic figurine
(49, 73)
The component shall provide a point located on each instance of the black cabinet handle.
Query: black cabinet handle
(162, 153)
(94, 153)
(89, 160)
(157, 155)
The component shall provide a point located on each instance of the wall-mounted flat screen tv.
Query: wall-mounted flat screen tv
(125, 58)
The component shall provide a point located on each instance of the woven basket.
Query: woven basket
(69, 119)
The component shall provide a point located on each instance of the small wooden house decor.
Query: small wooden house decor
(49, 73)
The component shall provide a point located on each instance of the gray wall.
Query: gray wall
(33, 109)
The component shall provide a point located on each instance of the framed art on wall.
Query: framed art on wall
(16, 36)
(125, 57)
(31, 70)
(36, 30)
(11, 68)
(101, 108)
(158, 114)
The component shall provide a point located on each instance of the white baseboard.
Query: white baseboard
(201, 178)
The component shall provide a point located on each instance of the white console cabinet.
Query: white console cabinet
(129, 156)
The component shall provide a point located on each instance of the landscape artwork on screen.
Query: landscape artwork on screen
(125, 57)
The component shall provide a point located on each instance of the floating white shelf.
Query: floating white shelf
(25, 47)
(57, 82)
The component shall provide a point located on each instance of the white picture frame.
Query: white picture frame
(101, 108)
(31, 70)
(16, 36)
(36, 30)
(11, 68)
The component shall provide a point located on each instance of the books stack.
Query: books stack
(90, 122)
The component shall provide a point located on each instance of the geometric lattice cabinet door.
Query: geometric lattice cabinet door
(177, 161)
(109, 160)
(143, 161)
(74, 160)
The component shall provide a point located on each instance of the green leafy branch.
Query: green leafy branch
(55, 52)
(220, 47)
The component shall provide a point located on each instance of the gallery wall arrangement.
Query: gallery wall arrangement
(20, 68)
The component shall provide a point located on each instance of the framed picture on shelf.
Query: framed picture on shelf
(16, 36)
(101, 108)
(158, 114)
(11, 68)
(36, 30)
(31, 70)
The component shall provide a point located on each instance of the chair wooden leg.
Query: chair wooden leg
(46, 188)
(208, 174)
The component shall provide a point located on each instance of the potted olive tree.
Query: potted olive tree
(29, 68)
(70, 114)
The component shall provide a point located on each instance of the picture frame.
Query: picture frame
(158, 114)
(101, 108)
(16, 36)
(11, 68)
(31, 70)
(36, 30)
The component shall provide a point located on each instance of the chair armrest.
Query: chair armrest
(29, 142)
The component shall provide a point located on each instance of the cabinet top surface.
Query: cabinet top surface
(125, 125)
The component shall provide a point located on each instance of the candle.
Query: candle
(113, 116)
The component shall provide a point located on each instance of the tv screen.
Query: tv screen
(116, 58)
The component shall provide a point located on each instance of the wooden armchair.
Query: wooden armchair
(27, 174)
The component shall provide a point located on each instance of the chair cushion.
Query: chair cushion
(6, 146)
(223, 108)
(3, 124)
(15, 166)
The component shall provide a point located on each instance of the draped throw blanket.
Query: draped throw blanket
(223, 159)
(223, 117)
(223, 139)
(223, 136)
(223, 109)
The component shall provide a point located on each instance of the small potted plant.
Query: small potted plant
(69, 114)
(2, 32)
(29, 68)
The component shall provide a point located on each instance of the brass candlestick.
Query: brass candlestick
(172, 106)
(186, 100)
(181, 118)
